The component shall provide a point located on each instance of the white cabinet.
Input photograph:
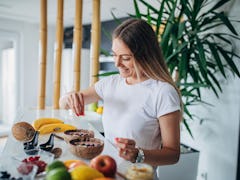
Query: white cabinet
(185, 169)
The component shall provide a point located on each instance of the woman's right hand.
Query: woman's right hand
(73, 101)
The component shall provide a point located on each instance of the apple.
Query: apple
(105, 164)
(93, 107)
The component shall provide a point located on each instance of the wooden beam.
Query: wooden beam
(58, 53)
(77, 45)
(43, 54)
(95, 41)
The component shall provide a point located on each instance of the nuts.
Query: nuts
(23, 131)
(57, 152)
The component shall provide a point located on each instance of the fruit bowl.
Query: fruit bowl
(77, 134)
(86, 148)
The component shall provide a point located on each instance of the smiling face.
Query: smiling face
(124, 61)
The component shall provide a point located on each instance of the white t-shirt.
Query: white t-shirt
(132, 111)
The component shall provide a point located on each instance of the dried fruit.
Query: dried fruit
(35, 160)
(23, 131)
(57, 152)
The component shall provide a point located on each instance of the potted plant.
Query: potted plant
(193, 48)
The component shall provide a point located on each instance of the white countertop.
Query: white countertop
(89, 121)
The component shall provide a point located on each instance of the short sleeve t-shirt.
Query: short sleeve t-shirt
(132, 111)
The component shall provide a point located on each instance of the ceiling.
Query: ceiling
(29, 10)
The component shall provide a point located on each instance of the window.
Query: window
(9, 80)
(8, 84)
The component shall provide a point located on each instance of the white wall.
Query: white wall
(217, 137)
(28, 62)
(67, 70)
(27, 57)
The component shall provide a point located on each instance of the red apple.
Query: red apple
(105, 164)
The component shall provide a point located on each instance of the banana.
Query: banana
(56, 127)
(38, 123)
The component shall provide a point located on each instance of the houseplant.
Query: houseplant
(192, 45)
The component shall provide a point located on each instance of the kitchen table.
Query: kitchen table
(15, 148)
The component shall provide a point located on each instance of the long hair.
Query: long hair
(141, 39)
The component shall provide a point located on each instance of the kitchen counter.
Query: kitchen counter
(15, 148)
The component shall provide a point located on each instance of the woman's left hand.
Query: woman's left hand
(127, 149)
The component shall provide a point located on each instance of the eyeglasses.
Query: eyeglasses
(124, 57)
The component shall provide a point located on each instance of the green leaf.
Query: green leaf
(196, 8)
(202, 63)
(187, 127)
(177, 51)
(218, 5)
(212, 87)
(208, 21)
(107, 74)
(216, 57)
(160, 15)
(226, 21)
(195, 85)
(183, 65)
(115, 18)
(106, 33)
(104, 52)
(149, 6)
(187, 112)
(169, 24)
(138, 14)
(221, 37)
(149, 18)
(229, 60)
(211, 75)
(181, 29)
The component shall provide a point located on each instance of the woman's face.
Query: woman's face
(124, 59)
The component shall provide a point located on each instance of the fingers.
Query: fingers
(129, 154)
(125, 143)
(127, 149)
(76, 102)
(82, 104)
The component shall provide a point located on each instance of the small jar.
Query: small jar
(140, 171)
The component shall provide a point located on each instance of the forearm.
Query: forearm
(165, 156)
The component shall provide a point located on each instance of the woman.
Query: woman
(142, 106)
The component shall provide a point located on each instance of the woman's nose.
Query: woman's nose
(117, 61)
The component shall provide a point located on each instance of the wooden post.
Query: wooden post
(43, 54)
(95, 42)
(58, 53)
(77, 45)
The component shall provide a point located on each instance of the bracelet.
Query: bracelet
(140, 157)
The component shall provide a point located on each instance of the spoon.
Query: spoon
(49, 144)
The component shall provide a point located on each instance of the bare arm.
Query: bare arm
(170, 152)
(76, 100)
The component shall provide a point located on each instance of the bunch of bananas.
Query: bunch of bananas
(49, 125)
